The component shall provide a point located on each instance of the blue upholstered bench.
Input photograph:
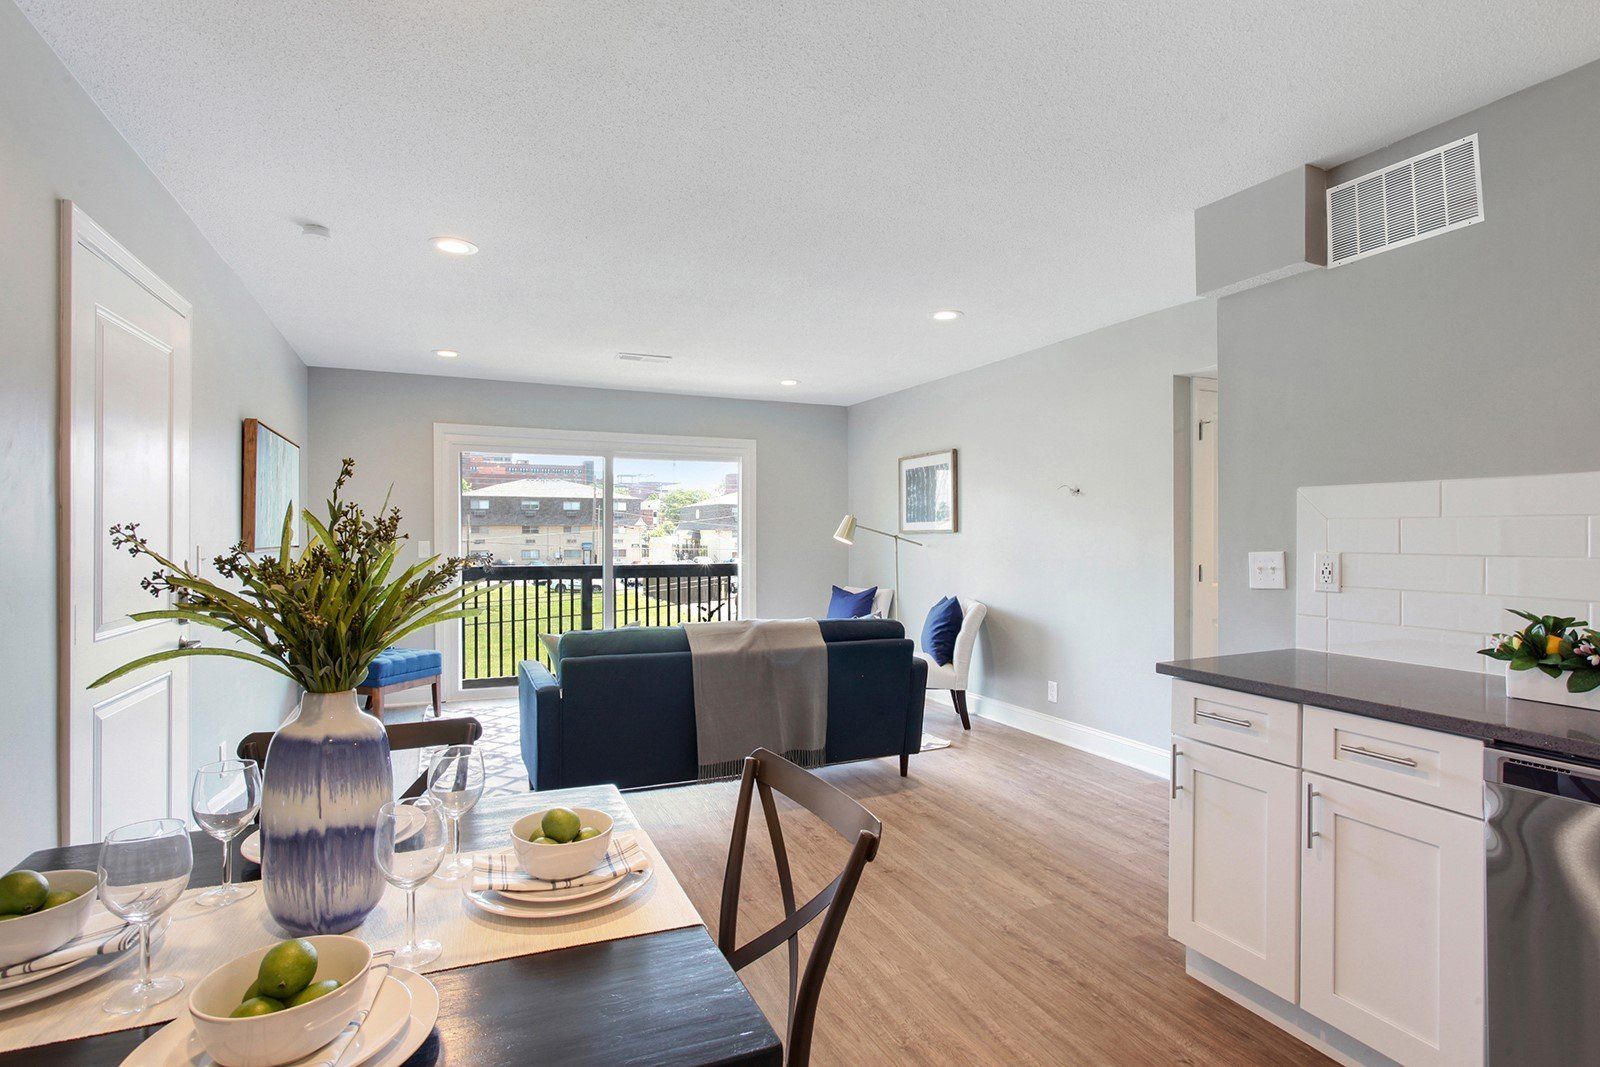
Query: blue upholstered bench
(402, 668)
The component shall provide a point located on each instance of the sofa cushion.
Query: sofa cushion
(939, 632)
(844, 604)
(623, 641)
(395, 664)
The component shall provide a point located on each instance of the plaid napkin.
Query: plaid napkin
(99, 942)
(499, 871)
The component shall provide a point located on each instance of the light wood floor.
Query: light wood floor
(1016, 912)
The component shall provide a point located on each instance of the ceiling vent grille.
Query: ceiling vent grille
(643, 357)
(1420, 197)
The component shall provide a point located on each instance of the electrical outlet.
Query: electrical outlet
(424, 549)
(1266, 570)
(1325, 566)
(1050, 692)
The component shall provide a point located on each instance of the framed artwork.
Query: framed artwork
(928, 492)
(271, 486)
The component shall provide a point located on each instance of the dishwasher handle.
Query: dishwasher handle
(1562, 776)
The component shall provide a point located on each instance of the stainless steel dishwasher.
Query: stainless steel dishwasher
(1543, 869)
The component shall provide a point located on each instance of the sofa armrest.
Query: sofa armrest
(539, 702)
(914, 706)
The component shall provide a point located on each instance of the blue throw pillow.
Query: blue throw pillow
(939, 632)
(847, 605)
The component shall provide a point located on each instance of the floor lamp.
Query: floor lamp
(846, 535)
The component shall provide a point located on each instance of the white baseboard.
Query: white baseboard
(1114, 747)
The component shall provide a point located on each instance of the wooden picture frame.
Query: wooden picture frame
(269, 485)
(929, 492)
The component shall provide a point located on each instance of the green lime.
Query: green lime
(253, 992)
(587, 832)
(287, 968)
(22, 892)
(313, 991)
(545, 841)
(57, 897)
(255, 1006)
(561, 825)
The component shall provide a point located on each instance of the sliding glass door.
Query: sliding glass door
(580, 532)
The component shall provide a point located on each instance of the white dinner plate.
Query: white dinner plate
(250, 843)
(424, 1013)
(61, 978)
(561, 896)
(178, 1044)
(521, 908)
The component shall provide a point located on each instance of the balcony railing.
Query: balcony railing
(521, 603)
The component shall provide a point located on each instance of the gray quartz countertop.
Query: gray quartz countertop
(1456, 702)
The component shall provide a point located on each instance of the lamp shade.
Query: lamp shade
(846, 533)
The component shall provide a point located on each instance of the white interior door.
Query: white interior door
(1203, 517)
(124, 352)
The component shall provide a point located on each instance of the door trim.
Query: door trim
(78, 234)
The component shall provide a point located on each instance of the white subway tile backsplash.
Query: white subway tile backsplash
(1566, 578)
(1440, 574)
(1364, 535)
(1481, 614)
(1309, 602)
(1407, 644)
(1310, 536)
(1533, 494)
(1310, 633)
(1382, 500)
(1521, 535)
(1594, 536)
(1365, 605)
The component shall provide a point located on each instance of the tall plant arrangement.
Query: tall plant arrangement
(319, 618)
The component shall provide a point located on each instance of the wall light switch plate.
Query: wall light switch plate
(1266, 570)
(1325, 569)
(1050, 692)
(424, 549)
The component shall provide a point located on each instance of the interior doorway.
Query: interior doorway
(1203, 588)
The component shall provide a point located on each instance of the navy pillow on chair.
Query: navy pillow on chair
(847, 605)
(939, 632)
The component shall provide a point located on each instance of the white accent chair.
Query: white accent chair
(953, 675)
(882, 601)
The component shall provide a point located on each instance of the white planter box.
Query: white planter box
(1536, 685)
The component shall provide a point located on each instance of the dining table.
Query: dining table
(667, 998)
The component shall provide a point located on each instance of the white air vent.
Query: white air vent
(1420, 197)
(642, 357)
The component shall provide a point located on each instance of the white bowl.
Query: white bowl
(283, 1036)
(28, 937)
(555, 862)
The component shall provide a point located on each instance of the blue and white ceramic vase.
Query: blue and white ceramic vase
(327, 774)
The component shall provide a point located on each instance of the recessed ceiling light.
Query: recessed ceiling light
(446, 353)
(789, 383)
(454, 246)
(946, 315)
(315, 229)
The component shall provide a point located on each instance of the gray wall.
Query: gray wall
(385, 422)
(1474, 353)
(55, 143)
(1062, 576)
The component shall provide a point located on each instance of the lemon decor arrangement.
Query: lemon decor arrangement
(319, 618)
(1542, 652)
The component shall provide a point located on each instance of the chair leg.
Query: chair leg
(438, 705)
(958, 697)
(905, 764)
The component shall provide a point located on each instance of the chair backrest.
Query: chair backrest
(766, 771)
(882, 600)
(967, 638)
(403, 736)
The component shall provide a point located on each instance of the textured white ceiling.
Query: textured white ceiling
(759, 190)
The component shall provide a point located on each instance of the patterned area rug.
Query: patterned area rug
(501, 744)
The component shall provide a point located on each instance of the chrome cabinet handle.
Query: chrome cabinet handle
(1357, 750)
(1311, 794)
(1173, 778)
(189, 642)
(1229, 719)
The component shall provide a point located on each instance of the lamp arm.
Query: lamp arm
(886, 533)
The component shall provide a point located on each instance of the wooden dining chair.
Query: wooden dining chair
(766, 771)
(403, 736)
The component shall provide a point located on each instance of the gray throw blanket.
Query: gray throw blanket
(758, 683)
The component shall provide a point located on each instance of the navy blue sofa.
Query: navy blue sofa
(623, 709)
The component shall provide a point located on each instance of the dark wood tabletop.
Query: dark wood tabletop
(667, 998)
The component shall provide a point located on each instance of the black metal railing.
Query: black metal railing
(522, 603)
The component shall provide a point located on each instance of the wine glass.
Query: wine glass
(455, 781)
(143, 870)
(408, 855)
(225, 797)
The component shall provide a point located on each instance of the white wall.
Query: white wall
(55, 143)
(1430, 568)
(1079, 588)
(385, 422)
